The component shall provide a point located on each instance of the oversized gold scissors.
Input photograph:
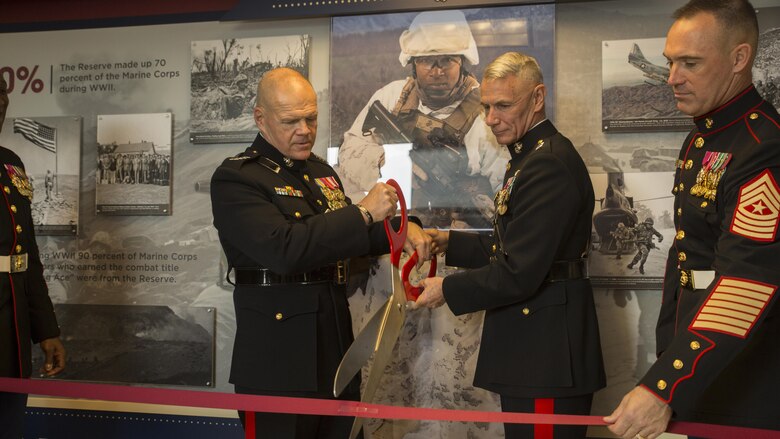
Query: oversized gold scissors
(380, 334)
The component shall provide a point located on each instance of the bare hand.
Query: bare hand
(432, 295)
(440, 238)
(640, 414)
(417, 241)
(381, 201)
(54, 352)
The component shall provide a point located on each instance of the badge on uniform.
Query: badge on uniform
(332, 191)
(502, 197)
(712, 168)
(288, 191)
(758, 209)
(20, 181)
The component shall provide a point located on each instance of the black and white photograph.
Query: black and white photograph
(766, 69)
(635, 96)
(50, 148)
(412, 79)
(224, 76)
(133, 175)
(633, 229)
(119, 343)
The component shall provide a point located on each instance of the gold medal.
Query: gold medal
(20, 181)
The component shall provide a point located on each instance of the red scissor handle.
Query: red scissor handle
(397, 238)
(413, 292)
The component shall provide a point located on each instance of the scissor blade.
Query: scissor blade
(393, 323)
(359, 351)
(388, 337)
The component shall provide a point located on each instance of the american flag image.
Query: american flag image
(37, 133)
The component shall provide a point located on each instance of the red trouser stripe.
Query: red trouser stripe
(249, 425)
(544, 406)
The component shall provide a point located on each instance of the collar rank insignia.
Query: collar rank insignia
(241, 157)
(332, 191)
(712, 168)
(502, 197)
(288, 191)
(758, 209)
(20, 181)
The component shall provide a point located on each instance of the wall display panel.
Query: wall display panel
(223, 83)
(151, 260)
(635, 95)
(138, 344)
(50, 148)
(376, 84)
(133, 175)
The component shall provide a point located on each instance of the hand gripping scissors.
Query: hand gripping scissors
(380, 334)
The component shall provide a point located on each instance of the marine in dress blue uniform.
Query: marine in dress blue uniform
(718, 328)
(540, 346)
(286, 228)
(26, 311)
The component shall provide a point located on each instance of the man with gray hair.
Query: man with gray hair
(540, 342)
(719, 324)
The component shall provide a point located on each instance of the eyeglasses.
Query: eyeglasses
(444, 62)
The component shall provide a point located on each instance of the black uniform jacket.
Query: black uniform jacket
(540, 338)
(719, 344)
(290, 336)
(26, 312)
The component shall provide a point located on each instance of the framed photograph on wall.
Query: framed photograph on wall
(50, 148)
(635, 96)
(412, 80)
(133, 175)
(223, 84)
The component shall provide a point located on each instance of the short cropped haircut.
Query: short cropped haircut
(514, 63)
(735, 17)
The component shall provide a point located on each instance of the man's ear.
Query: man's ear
(259, 116)
(540, 91)
(741, 57)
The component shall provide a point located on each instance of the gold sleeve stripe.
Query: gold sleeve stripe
(723, 295)
(722, 328)
(758, 209)
(734, 306)
(747, 285)
(757, 295)
(707, 317)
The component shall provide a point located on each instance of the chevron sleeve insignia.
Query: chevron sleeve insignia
(758, 209)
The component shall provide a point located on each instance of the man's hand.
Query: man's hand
(432, 295)
(639, 415)
(381, 201)
(418, 241)
(54, 352)
(440, 240)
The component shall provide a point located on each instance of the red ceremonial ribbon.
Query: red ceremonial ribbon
(333, 407)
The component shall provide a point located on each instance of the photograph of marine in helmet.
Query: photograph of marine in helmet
(224, 77)
(413, 79)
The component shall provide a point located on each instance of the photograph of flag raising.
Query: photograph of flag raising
(37, 133)
(50, 148)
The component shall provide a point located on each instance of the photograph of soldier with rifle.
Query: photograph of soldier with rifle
(431, 103)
